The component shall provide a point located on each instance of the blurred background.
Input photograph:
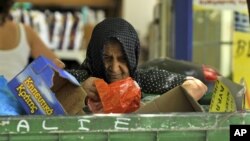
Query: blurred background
(211, 32)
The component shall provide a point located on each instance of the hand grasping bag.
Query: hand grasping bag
(122, 96)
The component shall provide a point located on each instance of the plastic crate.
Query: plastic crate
(114, 127)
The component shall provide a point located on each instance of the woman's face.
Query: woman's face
(115, 62)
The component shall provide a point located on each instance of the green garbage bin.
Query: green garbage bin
(122, 127)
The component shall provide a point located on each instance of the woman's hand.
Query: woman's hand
(89, 86)
(93, 100)
(95, 106)
(59, 63)
(194, 87)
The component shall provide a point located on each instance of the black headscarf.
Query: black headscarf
(106, 30)
(151, 80)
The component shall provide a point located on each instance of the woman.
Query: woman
(18, 43)
(112, 55)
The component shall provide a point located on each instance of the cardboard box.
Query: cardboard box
(175, 100)
(38, 84)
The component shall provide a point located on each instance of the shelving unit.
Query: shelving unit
(77, 55)
(73, 3)
(112, 8)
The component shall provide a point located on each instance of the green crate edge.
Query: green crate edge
(152, 127)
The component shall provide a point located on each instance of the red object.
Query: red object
(210, 73)
(122, 96)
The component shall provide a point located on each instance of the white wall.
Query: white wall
(139, 13)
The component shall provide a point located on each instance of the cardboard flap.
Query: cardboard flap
(193, 103)
(175, 100)
(237, 91)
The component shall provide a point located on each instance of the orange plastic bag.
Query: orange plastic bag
(122, 96)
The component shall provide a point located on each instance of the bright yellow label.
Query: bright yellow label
(222, 99)
(247, 98)
(241, 61)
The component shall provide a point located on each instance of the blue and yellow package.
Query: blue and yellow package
(35, 87)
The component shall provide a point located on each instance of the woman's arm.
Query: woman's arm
(38, 47)
(158, 81)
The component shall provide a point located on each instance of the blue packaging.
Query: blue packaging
(9, 104)
(33, 87)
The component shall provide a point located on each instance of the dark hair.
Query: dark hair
(5, 6)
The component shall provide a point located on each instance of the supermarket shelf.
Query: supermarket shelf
(72, 3)
(77, 55)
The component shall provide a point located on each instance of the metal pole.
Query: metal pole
(183, 35)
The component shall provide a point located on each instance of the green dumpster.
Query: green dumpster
(122, 127)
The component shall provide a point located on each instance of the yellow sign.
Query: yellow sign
(241, 60)
(246, 103)
(222, 99)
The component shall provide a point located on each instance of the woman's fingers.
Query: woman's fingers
(194, 87)
(59, 63)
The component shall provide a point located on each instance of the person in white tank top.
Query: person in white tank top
(18, 42)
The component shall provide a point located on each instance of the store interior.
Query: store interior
(190, 41)
(212, 29)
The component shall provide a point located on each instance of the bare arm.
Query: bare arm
(38, 47)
